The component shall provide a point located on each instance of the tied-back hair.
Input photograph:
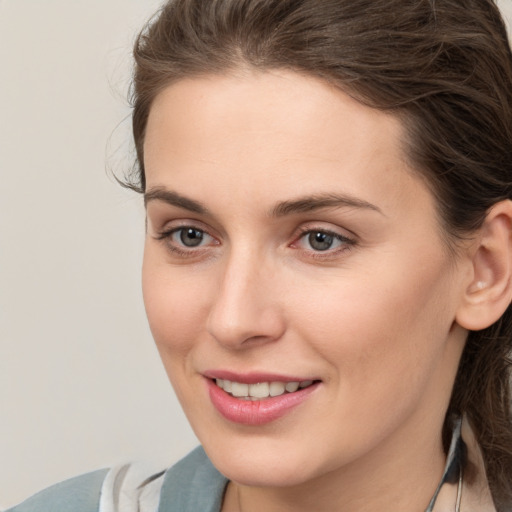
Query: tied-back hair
(444, 67)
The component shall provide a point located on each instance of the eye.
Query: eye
(185, 240)
(189, 236)
(321, 240)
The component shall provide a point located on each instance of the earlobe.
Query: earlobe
(490, 291)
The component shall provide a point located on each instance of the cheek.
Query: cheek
(174, 311)
(381, 335)
(173, 306)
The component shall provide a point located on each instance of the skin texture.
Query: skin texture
(373, 318)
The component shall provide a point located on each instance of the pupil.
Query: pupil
(191, 237)
(320, 241)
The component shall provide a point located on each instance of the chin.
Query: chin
(265, 462)
(257, 474)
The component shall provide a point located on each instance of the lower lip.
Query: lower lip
(258, 412)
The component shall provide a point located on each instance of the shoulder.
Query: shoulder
(79, 494)
(190, 485)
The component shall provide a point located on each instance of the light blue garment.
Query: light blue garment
(191, 485)
(79, 494)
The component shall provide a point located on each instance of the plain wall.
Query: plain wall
(81, 385)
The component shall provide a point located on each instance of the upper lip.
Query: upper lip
(254, 377)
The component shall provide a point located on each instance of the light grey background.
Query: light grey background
(81, 385)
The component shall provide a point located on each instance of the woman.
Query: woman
(327, 269)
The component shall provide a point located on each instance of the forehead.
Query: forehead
(282, 102)
(295, 131)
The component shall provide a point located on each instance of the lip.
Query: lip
(258, 412)
(254, 377)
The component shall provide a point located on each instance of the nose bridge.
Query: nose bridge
(245, 308)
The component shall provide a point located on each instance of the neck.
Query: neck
(382, 481)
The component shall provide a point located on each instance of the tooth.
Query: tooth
(292, 386)
(276, 388)
(219, 383)
(259, 390)
(305, 383)
(239, 389)
(227, 386)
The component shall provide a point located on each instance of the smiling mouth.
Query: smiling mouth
(261, 390)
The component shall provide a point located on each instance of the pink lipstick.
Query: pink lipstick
(263, 408)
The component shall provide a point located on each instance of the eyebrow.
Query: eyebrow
(300, 205)
(174, 199)
(319, 201)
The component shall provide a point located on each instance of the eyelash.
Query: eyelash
(182, 251)
(346, 243)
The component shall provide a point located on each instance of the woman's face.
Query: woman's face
(289, 242)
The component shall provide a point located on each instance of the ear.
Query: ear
(489, 293)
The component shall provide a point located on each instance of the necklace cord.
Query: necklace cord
(459, 490)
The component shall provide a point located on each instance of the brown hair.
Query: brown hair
(443, 66)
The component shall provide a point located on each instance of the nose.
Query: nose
(246, 308)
